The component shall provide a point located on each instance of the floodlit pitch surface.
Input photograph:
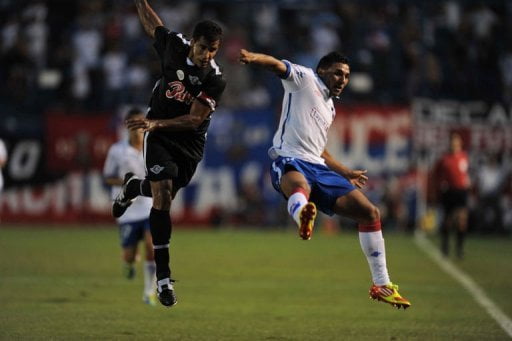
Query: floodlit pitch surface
(240, 284)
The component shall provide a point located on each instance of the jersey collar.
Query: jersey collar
(190, 62)
(323, 87)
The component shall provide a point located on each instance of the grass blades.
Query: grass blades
(66, 283)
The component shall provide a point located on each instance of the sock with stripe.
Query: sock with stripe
(296, 202)
(161, 227)
(138, 187)
(372, 244)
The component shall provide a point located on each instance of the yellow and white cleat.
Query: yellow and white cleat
(307, 220)
(389, 294)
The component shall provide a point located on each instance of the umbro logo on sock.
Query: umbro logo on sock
(375, 254)
(156, 169)
(294, 207)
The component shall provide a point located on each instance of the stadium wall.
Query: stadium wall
(56, 176)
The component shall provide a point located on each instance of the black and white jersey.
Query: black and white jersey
(181, 83)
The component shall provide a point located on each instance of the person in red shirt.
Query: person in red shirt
(452, 184)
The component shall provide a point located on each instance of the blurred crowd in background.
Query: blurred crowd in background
(92, 56)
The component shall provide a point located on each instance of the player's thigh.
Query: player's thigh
(287, 174)
(357, 206)
(291, 180)
(159, 158)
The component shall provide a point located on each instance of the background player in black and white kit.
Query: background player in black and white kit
(175, 127)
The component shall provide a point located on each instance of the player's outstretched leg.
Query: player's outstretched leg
(372, 244)
(389, 294)
(122, 201)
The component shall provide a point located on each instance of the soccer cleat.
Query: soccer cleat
(307, 220)
(165, 291)
(389, 294)
(121, 202)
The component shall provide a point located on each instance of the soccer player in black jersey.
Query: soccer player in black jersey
(175, 127)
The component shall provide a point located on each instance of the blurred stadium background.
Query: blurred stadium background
(420, 70)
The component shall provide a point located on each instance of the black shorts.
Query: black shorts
(164, 161)
(453, 199)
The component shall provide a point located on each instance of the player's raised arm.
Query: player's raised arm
(270, 63)
(149, 19)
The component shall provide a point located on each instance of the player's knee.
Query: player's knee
(373, 213)
(163, 203)
(162, 198)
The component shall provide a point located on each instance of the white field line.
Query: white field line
(478, 294)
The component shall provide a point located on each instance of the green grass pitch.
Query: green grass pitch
(66, 284)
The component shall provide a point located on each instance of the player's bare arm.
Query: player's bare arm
(356, 177)
(270, 63)
(149, 19)
(198, 113)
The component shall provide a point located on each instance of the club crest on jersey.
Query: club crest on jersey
(156, 169)
(178, 92)
(180, 74)
(194, 80)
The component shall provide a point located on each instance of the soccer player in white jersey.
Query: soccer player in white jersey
(124, 159)
(304, 171)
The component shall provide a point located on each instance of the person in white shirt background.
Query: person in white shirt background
(306, 174)
(125, 157)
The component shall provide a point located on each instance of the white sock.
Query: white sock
(373, 247)
(296, 202)
(149, 277)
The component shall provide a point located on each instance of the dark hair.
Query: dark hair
(207, 29)
(133, 112)
(331, 58)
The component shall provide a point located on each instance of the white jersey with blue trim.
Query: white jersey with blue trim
(306, 116)
(121, 159)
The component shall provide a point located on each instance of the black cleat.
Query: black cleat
(121, 202)
(165, 292)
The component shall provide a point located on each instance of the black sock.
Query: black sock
(138, 187)
(161, 228)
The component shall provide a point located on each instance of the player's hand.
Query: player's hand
(246, 57)
(140, 123)
(358, 178)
